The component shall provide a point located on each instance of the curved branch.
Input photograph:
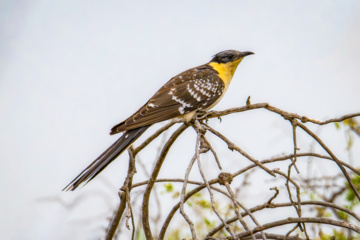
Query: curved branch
(155, 173)
(216, 180)
(182, 195)
(124, 198)
(338, 162)
(152, 137)
(232, 146)
(271, 160)
(267, 235)
(275, 237)
(277, 205)
(285, 114)
(328, 221)
(176, 207)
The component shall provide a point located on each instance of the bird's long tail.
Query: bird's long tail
(106, 158)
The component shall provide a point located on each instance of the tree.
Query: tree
(302, 206)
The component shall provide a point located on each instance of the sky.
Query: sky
(70, 70)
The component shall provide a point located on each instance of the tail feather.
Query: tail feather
(106, 158)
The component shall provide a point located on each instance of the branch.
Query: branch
(152, 137)
(338, 162)
(232, 146)
(176, 207)
(301, 220)
(212, 200)
(124, 197)
(207, 143)
(285, 114)
(238, 214)
(182, 196)
(155, 173)
(277, 205)
(116, 218)
(268, 236)
(217, 180)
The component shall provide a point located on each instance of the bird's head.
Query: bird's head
(229, 56)
(226, 62)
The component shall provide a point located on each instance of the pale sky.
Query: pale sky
(70, 70)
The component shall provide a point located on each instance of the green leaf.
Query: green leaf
(169, 187)
(343, 215)
(209, 223)
(204, 203)
(339, 235)
(350, 195)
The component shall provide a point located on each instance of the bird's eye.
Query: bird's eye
(227, 58)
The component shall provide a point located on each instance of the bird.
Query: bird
(195, 90)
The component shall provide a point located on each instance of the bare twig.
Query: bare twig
(152, 137)
(338, 162)
(294, 124)
(212, 200)
(237, 211)
(302, 220)
(275, 237)
(124, 197)
(213, 151)
(288, 204)
(268, 235)
(155, 173)
(249, 233)
(116, 218)
(182, 196)
(296, 205)
(216, 180)
(285, 114)
(275, 195)
(232, 146)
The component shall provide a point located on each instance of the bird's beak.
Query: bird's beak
(244, 54)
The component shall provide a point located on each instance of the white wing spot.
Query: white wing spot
(191, 92)
(197, 97)
(205, 93)
(181, 110)
(182, 102)
(171, 92)
(152, 105)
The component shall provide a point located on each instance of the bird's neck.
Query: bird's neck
(226, 70)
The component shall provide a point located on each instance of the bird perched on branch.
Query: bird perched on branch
(197, 89)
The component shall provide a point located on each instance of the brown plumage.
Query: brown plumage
(197, 89)
(175, 99)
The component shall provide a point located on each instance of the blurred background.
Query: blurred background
(70, 70)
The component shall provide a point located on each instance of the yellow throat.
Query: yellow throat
(226, 70)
